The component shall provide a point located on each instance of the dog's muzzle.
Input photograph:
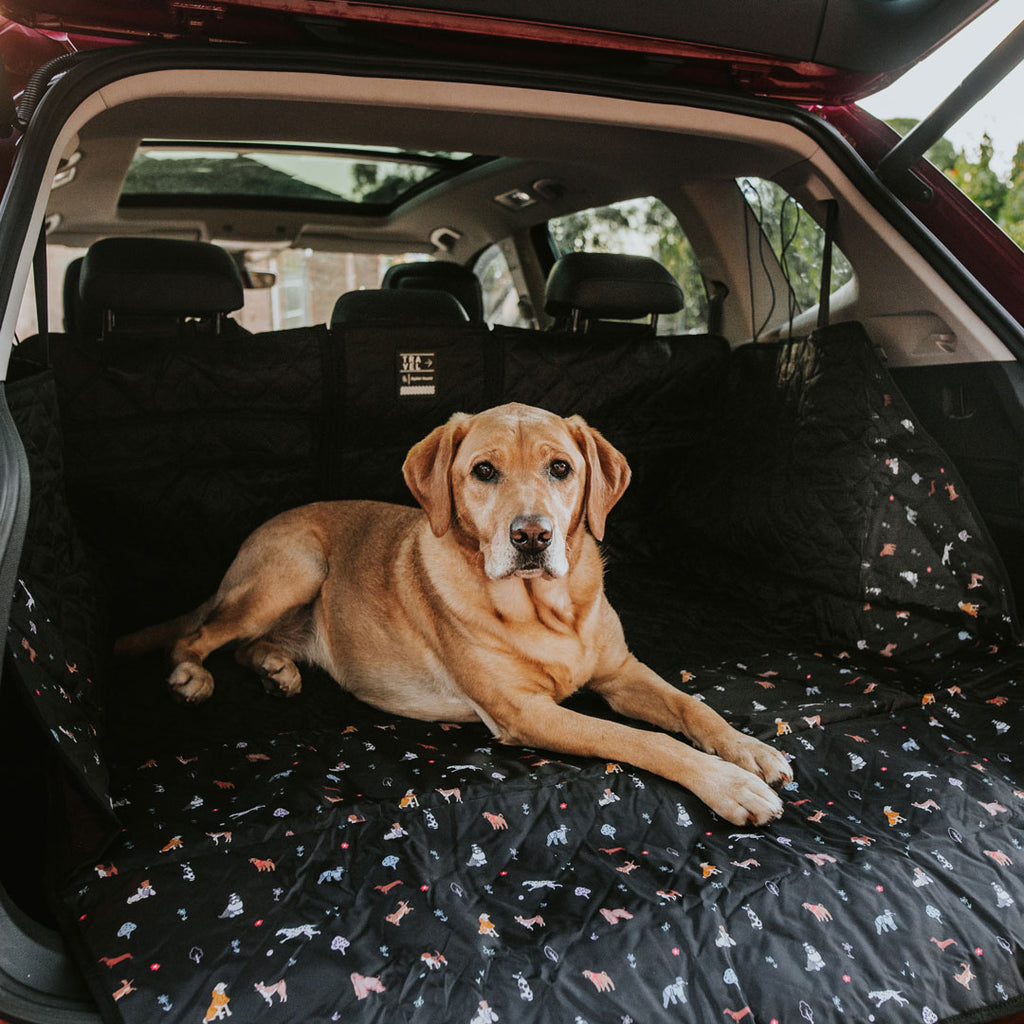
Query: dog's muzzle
(530, 537)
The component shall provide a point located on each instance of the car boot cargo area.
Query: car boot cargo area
(794, 549)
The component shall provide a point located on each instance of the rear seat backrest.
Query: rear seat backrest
(180, 434)
(453, 278)
(186, 443)
(402, 363)
(654, 397)
(781, 459)
(400, 382)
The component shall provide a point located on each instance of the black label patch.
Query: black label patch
(417, 373)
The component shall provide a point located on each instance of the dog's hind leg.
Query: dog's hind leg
(274, 664)
(276, 573)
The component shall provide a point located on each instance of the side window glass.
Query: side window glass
(796, 239)
(501, 296)
(640, 227)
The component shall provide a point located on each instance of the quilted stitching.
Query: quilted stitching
(269, 847)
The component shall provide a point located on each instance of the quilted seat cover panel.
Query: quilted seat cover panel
(316, 860)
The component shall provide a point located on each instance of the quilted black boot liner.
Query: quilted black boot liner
(800, 555)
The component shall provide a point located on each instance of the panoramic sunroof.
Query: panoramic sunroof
(267, 174)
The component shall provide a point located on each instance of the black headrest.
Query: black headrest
(394, 306)
(161, 276)
(453, 278)
(72, 303)
(608, 285)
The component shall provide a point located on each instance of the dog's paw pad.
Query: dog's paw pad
(280, 676)
(738, 795)
(190, 682)
(756, 757)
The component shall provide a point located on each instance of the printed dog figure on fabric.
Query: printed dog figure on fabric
(487, 604)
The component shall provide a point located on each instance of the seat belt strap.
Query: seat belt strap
(831, 213)
(718, 292)
(42, 296)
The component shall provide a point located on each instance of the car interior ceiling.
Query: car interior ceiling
(692, 166)
(529, 145)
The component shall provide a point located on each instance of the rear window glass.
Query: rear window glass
(306, 284)
(796, 239)
(640, 227)
(502, 302)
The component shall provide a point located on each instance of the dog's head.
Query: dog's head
(518, 484)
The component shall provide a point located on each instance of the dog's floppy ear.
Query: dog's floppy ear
(427, 471)
(607, 473)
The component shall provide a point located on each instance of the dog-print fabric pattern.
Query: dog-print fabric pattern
(60, 687)
(427, 872)
(827, 499)
(312, 859)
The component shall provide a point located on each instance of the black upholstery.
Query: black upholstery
(72, 302)
(595, 286)
(453, 278)
(792, 548)
(134, 288)
(154, 276)
(782, 579)
(81, 321)
(388, 306)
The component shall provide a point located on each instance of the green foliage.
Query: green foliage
(1002, 198)
(941, 155)
(1011, 214)
(383, 182)
(796, 239)
(977, 179)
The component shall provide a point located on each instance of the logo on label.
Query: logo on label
(416, 372)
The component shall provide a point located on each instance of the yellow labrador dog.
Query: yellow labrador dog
(487, 604)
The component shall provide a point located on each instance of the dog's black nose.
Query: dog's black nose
(530, 533)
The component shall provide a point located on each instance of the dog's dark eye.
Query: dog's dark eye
(485, 471)
(560, 469)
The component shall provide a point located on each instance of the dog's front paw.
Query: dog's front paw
(190, 682)
(751, 754)
(738, 795)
